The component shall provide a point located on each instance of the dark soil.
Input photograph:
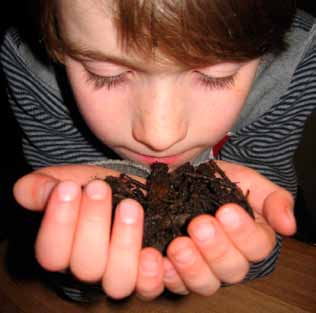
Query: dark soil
(171, 200)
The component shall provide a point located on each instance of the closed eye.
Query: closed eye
(106, 81)
(210, 82)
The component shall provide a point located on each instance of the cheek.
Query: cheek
(218, 111)
(225, 106)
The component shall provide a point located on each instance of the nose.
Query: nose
(160, 120)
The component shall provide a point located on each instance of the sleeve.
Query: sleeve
(50, 134)
(268, 144)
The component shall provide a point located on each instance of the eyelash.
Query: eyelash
(216, 82)
(113, 81)
(106, 81)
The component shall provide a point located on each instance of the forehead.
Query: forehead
(88, 24)
(79, 19)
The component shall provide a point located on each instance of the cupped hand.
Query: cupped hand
(220, 249)
(77, 232)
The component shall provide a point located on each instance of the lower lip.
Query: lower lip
(167, 160)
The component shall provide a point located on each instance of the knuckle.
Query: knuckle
(117, 294)
(186, 259)
(179, 243)
(85, 269)
(125, 244)
(63, 216)
(176, 286)
(263, 247)
(171, 278)
(150, 292)
(115, 287)
(207, 290)
(94, 219)
(244, 236)
(87, 274)
(259, 256)
(203, 218)
(52, 265)
(126, 238)
(236, 276)
(219, 253)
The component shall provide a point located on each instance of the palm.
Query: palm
(39, 191)
(272, 204)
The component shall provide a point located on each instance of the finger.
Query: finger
(91, 242)
(126, 240)
(82, 174)
(251, 182)
(278, 209)
(265, 197)
(33, 190)
(149, 283)
(55, 238)
(191, 267)
(225, 261)
(172, 280)
(255, 240)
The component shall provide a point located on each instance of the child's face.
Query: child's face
(148, 110)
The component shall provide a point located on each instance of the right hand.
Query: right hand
(76, 230)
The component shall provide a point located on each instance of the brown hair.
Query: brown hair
(190, 32)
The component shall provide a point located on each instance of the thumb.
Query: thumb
(33, 190)
(278, 209)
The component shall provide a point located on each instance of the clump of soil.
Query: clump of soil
(171, 200)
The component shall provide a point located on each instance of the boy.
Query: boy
(162, 81)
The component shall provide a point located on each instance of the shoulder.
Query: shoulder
(303, 40)
(278, 75)
(17, 56)
(303, 21)
(302, 35)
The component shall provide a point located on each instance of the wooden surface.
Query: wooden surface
(291, 288)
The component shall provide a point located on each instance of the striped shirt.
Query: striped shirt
(265, 137)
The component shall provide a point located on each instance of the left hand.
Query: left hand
(219, 249)
(77, 231)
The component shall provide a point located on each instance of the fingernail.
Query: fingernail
(229, 218)
(67, 191)
(96, 190)
(47, 189)
(149, 265)
(128, 213)
(182, 292)
(170, 272)
(184, 256)
(204, 231)
(289, 215)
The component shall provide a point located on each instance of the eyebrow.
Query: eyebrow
(80, 53)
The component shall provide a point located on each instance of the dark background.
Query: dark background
(12, 165)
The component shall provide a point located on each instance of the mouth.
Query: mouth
(149, 159)
(173, 160)
(152, 159)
